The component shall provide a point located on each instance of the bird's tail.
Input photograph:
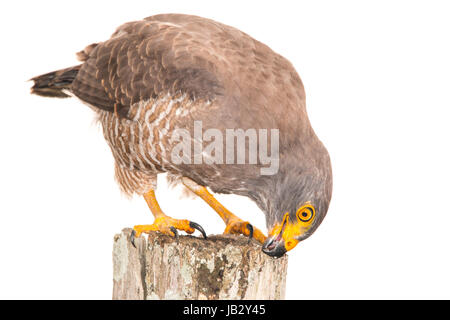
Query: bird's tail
(56, 83)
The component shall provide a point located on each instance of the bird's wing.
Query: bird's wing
(146, 59)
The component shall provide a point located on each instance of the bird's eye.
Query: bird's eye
(306, 213)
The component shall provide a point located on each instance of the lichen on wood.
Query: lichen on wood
(221, 267)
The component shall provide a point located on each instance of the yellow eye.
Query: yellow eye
(306, 213)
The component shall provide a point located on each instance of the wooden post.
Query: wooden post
(221, 267)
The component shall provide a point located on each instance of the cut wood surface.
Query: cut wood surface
(220, 267)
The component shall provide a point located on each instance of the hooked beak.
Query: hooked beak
(274, 246)
(282, 238)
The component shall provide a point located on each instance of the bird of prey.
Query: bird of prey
(156, 81)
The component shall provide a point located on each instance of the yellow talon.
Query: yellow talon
(164, 223)
(238, 226)
(234, 225)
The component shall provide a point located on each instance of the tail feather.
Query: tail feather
(55, 84)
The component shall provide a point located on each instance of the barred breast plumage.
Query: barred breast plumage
(141, 143)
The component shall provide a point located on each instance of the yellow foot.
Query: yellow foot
(234, 225)
(238, 226)
(167, 225)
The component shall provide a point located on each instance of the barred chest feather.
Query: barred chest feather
(141, 144)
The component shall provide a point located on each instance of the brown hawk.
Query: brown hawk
(169, 74)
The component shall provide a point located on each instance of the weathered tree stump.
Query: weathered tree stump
(221, 267)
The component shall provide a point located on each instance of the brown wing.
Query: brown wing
(143, 60)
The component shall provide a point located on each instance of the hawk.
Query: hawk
(157, 80)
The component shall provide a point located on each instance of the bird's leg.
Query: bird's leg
(234, 225)
(164, 223)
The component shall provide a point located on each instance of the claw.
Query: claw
(175, 232)
(250, 229)
(199, 228)
(132, 237)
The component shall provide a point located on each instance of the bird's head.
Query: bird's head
(297, 207)
(291, 229)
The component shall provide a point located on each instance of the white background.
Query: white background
(377, 78)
